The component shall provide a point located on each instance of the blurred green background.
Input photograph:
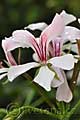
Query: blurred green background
(16, 14)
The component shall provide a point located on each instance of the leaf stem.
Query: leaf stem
(74, 109)
(16, 113)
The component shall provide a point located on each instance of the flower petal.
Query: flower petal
(3, 70)
(56, 82)
(65, 62)
(35, 57)
(63, 92)
(54, 29)
(71, 47)
(68, 18)
(79, 20)
(23, 37)
(26, 39)
(74, 48)
(2, 76)
(15, 71)
(44, 78)
(50, 33)
(71, 34)
(7, 44)
(40, 26)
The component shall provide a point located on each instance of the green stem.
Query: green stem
(19, 56)
(78, 44)
(18, 112)
(38, 102)
(74, 109)
(37, 87)
(75, 75)
(75, 70)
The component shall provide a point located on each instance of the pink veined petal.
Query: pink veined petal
(65, 62)
(54, 29)
(40, 26)
(68, 18)
(43, 43)
(57, 46)
(44, 78)
(63, 92)
(51, 32)
(58, 82)
(23, 37)
(6, 45)
(70, 34)
(26, 39)
(50, 51)
(15, 71)
(10, 44)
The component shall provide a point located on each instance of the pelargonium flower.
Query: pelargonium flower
(49, 69)
(75, 49)
(69, 33)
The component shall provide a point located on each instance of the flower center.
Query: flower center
(55, 47)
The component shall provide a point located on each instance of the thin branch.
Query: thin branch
(19, 55)
(78, 44)
(75, 75)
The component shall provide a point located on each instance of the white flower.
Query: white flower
(46, 76)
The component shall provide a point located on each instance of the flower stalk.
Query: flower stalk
(78, 44)
(75, 75)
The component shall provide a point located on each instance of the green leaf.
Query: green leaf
(3, 113)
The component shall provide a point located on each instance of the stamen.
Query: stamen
(57, 48)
